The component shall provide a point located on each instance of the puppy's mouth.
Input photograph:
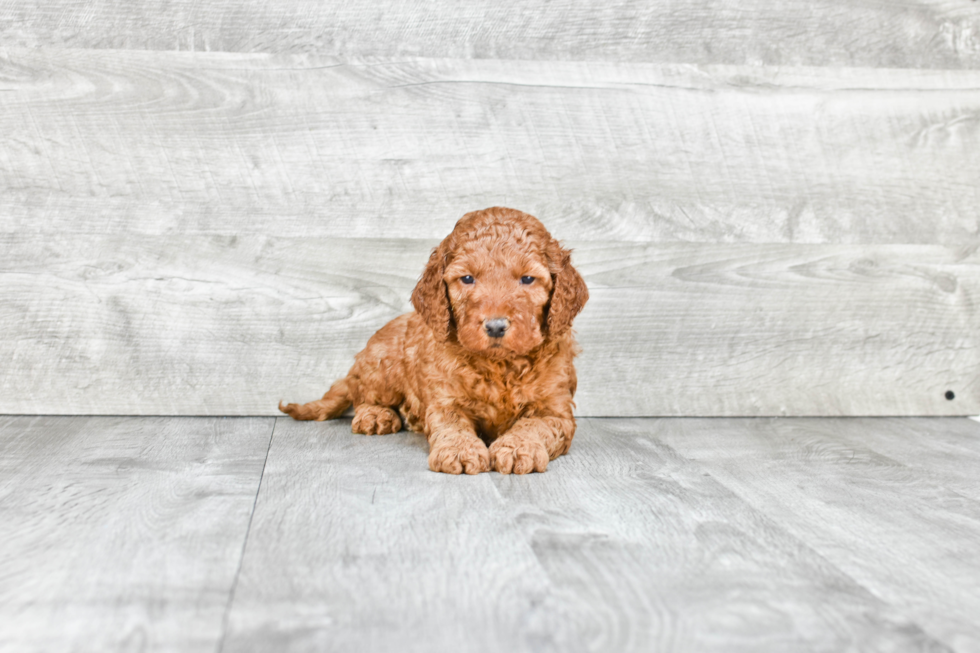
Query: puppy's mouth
(496, 348)
(503, 349)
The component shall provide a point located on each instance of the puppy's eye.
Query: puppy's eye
(527, 281)
(467, 279)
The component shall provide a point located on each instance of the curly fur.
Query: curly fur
(483, 402)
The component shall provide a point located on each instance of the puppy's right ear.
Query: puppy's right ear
(430, 296)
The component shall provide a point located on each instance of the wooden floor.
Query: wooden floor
(258, 534)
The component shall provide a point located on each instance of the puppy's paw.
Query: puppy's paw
(375, 420)
(459, 454)
(518, 454)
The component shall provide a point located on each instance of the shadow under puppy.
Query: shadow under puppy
(485, 359)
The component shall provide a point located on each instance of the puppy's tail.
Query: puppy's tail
(333, 404)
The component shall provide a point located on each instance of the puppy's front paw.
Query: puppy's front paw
(518, 454)
(459, 454)
(375, 420)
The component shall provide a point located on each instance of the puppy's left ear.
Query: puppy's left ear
(569, 293)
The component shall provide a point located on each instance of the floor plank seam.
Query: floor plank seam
(248, 531)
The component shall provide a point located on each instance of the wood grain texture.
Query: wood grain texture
(921, 33)
(782, 330)
(149, 142)
(624, 544)
(944, 452)
(120, 533)
(651, 534)
(901, 533)
(231, 325)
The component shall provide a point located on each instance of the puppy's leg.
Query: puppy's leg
(371, 419)
(376, 382)
(530, 443)
(454, 446)
(378, 389)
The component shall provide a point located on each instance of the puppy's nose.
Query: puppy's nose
(496, 327)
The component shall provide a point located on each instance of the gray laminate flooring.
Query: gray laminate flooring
(263, 534)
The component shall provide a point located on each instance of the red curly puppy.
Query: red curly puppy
(485, 359)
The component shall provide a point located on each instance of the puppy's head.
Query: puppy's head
(500, 284)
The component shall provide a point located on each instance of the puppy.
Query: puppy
(484, 366)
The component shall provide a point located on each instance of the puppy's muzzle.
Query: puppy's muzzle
(496, 327)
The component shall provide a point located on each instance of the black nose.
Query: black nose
(496, 327)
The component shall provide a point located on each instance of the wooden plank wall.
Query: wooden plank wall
(205, 208)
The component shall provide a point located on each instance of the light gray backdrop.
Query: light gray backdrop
(205, 208)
